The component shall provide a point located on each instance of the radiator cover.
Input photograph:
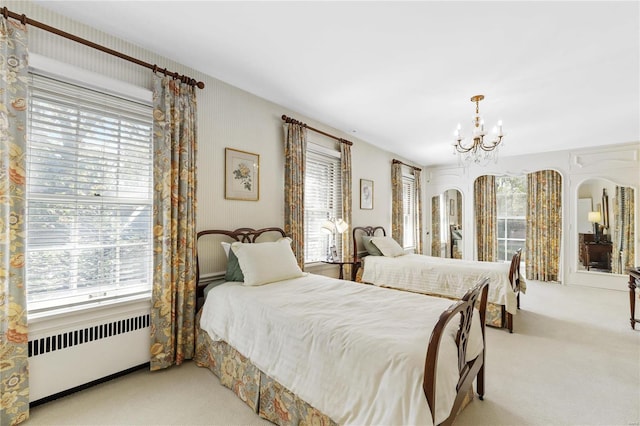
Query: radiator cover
(70, 351)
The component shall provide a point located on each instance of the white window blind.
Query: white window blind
(322, 201)
(408, 210)
(89, 196)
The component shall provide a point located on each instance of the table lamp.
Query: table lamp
(595, 218)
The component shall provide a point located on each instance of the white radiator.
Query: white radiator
(69, 352)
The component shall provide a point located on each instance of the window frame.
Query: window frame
(318, 151)
(409, 233)
(67, 74)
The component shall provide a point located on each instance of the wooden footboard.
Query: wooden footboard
(468, 370)
(514, 279)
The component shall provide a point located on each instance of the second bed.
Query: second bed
(440, 276)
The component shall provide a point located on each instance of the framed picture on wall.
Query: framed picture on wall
(241, 175)
(366, 194)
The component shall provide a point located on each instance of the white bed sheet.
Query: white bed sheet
(437, 275)
(354, 352)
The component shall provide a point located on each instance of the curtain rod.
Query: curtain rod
(24, 20)
(408, 165)
(293, 121)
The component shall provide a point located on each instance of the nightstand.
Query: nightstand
(355, 265)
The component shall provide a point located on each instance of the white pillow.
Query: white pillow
(388, 246)
(226, 246)
(263, 263)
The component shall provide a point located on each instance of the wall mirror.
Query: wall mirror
(605, 226)
(446, 224)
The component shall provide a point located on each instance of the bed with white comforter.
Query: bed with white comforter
(436, 275)
(384, 263)
(354, 352)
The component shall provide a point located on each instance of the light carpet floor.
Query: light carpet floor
(572, 360)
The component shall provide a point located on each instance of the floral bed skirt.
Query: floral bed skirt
(263, 394)
(496, 315)
(268, 398)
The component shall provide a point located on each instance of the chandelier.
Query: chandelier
(477, 151)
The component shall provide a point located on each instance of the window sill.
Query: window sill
(94, 310)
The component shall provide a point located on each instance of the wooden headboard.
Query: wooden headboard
(358, 231)
(243, 235)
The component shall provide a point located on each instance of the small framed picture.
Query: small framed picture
(366, 194)
(241, 175)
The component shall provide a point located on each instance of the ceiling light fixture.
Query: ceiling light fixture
(478, 152)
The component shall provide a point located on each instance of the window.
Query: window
(89, 196)
(409, 210)
(511, 197)
(322, 201)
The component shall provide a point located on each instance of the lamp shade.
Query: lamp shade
(328, 227)
(341, 226)
(595, 217)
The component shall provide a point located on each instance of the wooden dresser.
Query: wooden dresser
(595, 254)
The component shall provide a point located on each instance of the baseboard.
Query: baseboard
(88, 385)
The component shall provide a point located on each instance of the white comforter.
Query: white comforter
(353, 351)
(437, 275)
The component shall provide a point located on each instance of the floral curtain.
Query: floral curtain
(14, 369)
(345, 166)
(623, 234)
(544, 225)
(174, 278)
(295, 148)
(435, 226)
(397, 217)
(486, 210)
(418, 187)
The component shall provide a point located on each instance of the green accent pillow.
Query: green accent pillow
(369, 246)
(234, 273)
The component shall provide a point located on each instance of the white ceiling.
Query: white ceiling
(400, 74)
